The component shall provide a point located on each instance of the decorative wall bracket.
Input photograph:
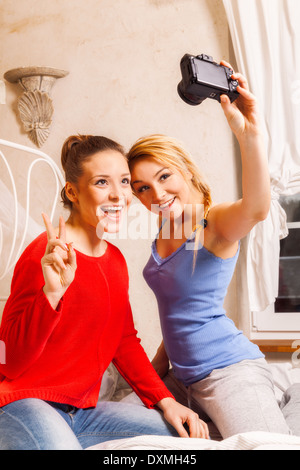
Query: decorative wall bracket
(35, 105)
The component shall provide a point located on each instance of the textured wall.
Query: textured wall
(123, 58)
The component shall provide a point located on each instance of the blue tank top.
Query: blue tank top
(198, 336)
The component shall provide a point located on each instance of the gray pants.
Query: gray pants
(237, 399)
(290, 406)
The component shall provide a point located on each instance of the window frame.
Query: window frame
(284, 325)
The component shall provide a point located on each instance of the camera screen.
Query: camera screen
(211, 74)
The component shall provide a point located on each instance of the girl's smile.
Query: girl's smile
(166, 205)
(112, 212)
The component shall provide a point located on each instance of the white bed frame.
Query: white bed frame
(38, 156)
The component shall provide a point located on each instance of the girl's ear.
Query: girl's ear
(189, 175)
(71, 192)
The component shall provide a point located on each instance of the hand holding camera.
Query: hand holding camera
(203, 78)
(242, 115)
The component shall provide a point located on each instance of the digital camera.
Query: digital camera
(203, 78)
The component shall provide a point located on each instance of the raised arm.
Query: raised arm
(232, 221)
(34, 309)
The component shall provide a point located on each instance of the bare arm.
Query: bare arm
(178, 415)
(233, 221)
(175, 413)
(160, 361)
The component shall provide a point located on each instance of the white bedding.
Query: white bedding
(246, 441)
(284, 375)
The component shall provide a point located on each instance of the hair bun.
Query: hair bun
(69, 145)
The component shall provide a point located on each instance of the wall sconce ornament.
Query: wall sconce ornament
(35, 105)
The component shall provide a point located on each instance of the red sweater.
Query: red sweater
(60, 355)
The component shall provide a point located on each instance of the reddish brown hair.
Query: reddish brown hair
(78, 149)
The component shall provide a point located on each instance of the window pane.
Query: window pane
(291, 205)
(289, 264)
(290, 246)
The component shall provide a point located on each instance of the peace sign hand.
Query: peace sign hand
(58, 262)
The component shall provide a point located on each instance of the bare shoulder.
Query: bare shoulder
(214, 241)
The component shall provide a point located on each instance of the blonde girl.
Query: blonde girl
(214, 366)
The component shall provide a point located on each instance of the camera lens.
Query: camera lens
(188, 97)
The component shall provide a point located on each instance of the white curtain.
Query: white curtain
(266, 41)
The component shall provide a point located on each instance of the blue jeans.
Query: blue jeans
(33, 424)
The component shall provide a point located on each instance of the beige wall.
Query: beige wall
(123, 62)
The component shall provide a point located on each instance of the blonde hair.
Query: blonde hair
(169, 151)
